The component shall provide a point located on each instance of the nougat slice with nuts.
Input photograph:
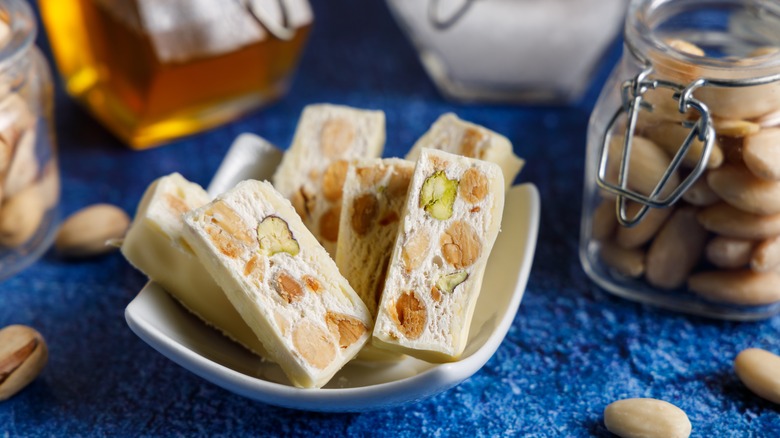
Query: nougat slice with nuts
(312, 172)
(451, 134)
(281, 280)
(154, 246)
(374, 198)
(450, 223)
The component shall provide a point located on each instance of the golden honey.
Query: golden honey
(113, 69)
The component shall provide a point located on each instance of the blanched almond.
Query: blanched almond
(347, 329)
(766, 255)
(333, 180)
(628, 262)
(735, 128)
(728, 221)
(329, 223)
(604, 221)
(642, 232)
(729, 252)
(675, 250)
(460, 245)
(646, 418)
(314, 344)
(473, 186)
(761, 153)
(410, 315)
(740, 102)
(21, 216)
(759, 370)
(647, 163)
(700, 194)
(336, 137)
(740, 188)
(742, 286)
(86, 231)
(769, 120)
(670, 136)
(288, 288)
(415, 250)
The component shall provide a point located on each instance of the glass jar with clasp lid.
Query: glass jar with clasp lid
(681, 204)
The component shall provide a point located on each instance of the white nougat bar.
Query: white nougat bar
(374, 198)
(452, 134)
(281, 281)
(154, 245)
(312, 172)
(450, 223)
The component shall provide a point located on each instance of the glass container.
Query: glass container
(155, 70)
(522, 51)
(681, 205)
(29, 177)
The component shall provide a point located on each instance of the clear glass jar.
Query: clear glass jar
(29, 176)
(522, 51)
(155, 70)
(690, 219)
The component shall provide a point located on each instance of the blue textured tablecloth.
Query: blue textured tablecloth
(573, 348)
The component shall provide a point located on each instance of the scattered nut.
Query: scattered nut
(314, 344)
(85, 232)
(348, 329)
(365, 209)
(460, 245)
(333, 180)
(447, 283)
(329, 224)
(312, 283)
(410, 315)
(437, 195)
(23, 354)
(274, 236)
(21, 216)
(415, 249)
(473, 186)
(759, 370)
(646, 418)
(288, 288)
(336, 137)
(228, 220)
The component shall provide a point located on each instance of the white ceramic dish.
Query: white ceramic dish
(162, 323)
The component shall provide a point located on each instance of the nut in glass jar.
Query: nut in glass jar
(683, 150)
(29, 179)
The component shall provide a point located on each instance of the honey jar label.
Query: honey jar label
(182, 30)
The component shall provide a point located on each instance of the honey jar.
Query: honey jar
(681, 205)
(29, 177)
(155, 70)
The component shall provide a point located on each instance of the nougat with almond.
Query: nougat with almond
(280, 280)
(449, 225)
(311, 174)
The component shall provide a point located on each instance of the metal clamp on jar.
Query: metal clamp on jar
(681, 206)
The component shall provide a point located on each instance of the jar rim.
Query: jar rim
(22, 26)
(645, 44)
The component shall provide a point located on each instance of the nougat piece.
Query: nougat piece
(312, 172)
(154, 246)
(281, 280)
(450, 223)
(374, 198)
(451, 134)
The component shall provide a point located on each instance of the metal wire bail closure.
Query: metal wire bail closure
(633, 103)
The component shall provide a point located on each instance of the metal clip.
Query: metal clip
(632, 93)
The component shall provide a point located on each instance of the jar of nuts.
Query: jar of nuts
(681, 205)
(29, 179)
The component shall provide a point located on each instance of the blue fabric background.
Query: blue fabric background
(572, 349)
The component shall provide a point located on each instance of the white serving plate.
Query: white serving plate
(166, 326)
